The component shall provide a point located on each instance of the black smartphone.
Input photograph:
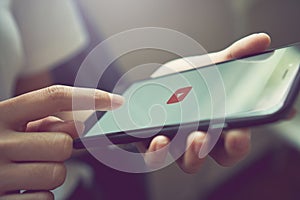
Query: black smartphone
(245, 92)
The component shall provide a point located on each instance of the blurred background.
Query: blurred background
(271, 171)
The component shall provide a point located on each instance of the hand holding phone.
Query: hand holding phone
(235, 144)
(250, 45)
(239, 93)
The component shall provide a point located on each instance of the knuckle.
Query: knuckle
(64, 146)
(57, 92)
(105, 100)
(58, 175)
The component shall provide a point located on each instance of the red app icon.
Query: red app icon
(179, 95)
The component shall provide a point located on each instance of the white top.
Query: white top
(36, 35)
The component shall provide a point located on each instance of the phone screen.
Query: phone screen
(253, 86)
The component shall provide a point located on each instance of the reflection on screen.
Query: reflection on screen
(253, 86)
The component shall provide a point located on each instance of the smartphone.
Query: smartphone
(255, 90)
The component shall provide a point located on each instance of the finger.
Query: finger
(32, 176)
(32, 195)
(42, 125)
(54, 124)
(156, 154)
(235, 146)
(252, 44)
(249, 45)
(48, 101)
(190, 161)
(42, 146)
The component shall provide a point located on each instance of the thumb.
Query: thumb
(54, 124)
(252, 44)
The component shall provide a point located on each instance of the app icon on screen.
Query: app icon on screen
(179, 95)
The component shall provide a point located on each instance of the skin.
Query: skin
(28, 159)
(29, 132)
(233, 145)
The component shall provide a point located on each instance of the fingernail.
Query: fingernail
(161, 143)
(116, 100)
(198, 141)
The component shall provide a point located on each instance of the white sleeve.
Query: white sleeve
(51, 32)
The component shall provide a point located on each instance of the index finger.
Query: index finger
(51, 100)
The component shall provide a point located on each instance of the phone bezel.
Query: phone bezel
(169, 130)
